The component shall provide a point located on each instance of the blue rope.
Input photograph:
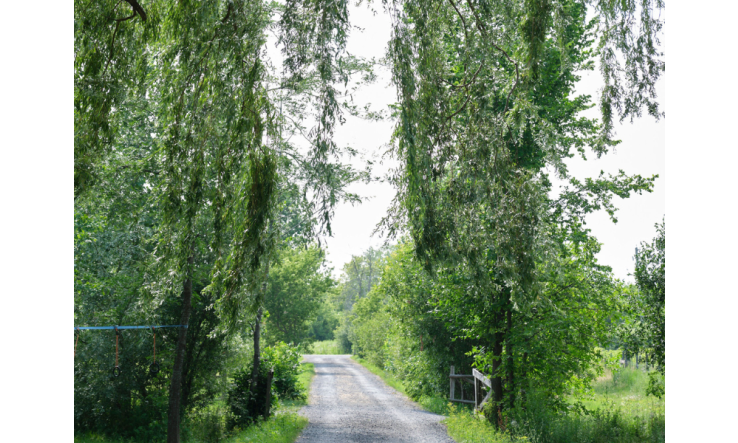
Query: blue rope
(78, 328)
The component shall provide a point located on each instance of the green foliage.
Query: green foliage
(417, 327)
(284, 359)
(656, 386)
(113, 242)
(359, 276)
(246, 407)
(342, 334)
(186, 182)
(611, 415)
(370, 328)
(307, 372)
(325, 323)
(296, 294)
(646, 329)
(600, 426)
(486, 107)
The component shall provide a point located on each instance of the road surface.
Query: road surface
(348, 403)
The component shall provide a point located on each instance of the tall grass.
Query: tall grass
(465, 427)
(326, 347)
(618, 412)
(624, 389)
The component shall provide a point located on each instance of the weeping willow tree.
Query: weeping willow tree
(486, 108)
(222, 120)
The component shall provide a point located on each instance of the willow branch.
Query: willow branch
(137, 8)
(112, 41)
(461, 17)
(483, 30)
(228, 13)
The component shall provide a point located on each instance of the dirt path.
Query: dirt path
(350, 404)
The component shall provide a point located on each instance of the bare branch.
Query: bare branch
(124, 19)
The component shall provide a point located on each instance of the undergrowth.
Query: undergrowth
(209, 424)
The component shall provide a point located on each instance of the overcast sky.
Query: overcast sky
(641, 151)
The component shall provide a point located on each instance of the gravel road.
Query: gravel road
(348, 403)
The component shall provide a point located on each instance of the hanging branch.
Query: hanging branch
(483, 31)
(137, 9)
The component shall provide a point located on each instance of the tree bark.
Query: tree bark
(510, 360)
(175, 388)
(257, 337)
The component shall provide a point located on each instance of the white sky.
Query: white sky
(641, 151)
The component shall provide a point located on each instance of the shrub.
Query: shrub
(246, 407)
(285, 360)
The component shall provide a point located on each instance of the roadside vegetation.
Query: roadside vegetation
(210, 424)
(282, 428)
(618, 409)
(591, 386)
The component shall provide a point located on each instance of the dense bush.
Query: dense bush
(134, 405)
(111, 288)
(285, 360)
(246, 408)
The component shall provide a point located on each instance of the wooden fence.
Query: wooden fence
(479, 381)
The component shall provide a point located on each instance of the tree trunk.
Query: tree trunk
(499, 339)
(510, 360)
(496, 376)
(257, 352)
(175, 388)
(257, 337)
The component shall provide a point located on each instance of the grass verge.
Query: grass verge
(279, 428)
